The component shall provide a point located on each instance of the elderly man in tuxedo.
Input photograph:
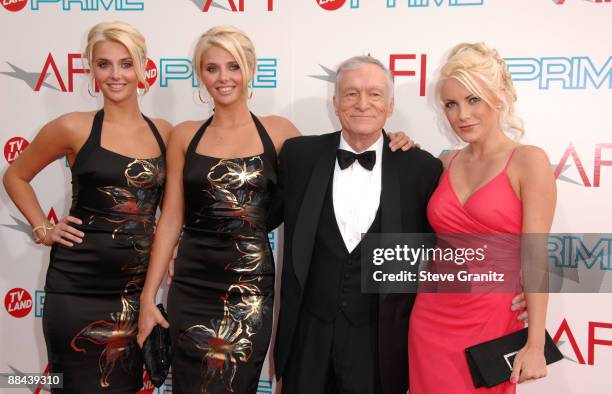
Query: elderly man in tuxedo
(332, 337)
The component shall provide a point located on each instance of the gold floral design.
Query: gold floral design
(222, 348)
(235, 206)
(230, 175)
(252, 253)
(143, 174)
(237, 189)
(250, 309)
(117, 335)
(133, 211)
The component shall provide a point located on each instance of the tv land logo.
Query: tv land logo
(13, 148)
(565, 331)
(578, 72)
(167, 71)
(150, 73)
(74, 5)
(18, 302)
(206, 5)
(570, 159)
(413, 65)
(14, 5)
(333, 5)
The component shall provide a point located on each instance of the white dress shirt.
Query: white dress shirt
(356, 195)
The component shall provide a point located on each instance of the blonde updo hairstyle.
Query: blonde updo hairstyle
(485, 74)
(126, 35)
(233, 40)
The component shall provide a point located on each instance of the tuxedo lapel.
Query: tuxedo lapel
(390, 207)
(310, 210)
(390, 197)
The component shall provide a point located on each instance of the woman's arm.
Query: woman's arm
(167, 232)
(539, 196)
(57, 138)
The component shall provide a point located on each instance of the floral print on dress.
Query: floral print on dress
(133, 212)
(237, 187)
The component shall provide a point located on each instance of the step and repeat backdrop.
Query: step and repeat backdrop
(557, 50)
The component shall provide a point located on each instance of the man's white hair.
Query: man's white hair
(356, 62)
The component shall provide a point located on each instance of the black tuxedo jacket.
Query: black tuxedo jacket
(408, 179)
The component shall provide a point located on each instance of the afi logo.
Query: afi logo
(564, 328)
(232, 5)
(14, 147)
(420, 66)
(18, 302)
(14, 5)
(571, 153)
(52, 216)
(400, 65)
(50, 65)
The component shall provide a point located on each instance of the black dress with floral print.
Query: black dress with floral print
(90, 317)
(220, 300)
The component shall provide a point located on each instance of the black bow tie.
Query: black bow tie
(346, 158)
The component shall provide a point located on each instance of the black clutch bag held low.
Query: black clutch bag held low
(491, 362)
(157, 352)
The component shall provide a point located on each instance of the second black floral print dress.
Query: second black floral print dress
(90, 317)
(221, 297)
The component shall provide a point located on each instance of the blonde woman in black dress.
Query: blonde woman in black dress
(100, 252)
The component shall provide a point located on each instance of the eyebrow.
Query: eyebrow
(465, 98)
(367, 88)
(228, 61)
(124, 59)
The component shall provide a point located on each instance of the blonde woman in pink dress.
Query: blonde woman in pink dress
(494, 185)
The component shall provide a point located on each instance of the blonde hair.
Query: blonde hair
(126, 35)
(233, 40)
(485, 74)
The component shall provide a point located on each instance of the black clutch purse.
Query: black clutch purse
(157, 351)
(491, 362)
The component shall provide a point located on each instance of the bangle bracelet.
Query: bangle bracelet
(44, 227)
